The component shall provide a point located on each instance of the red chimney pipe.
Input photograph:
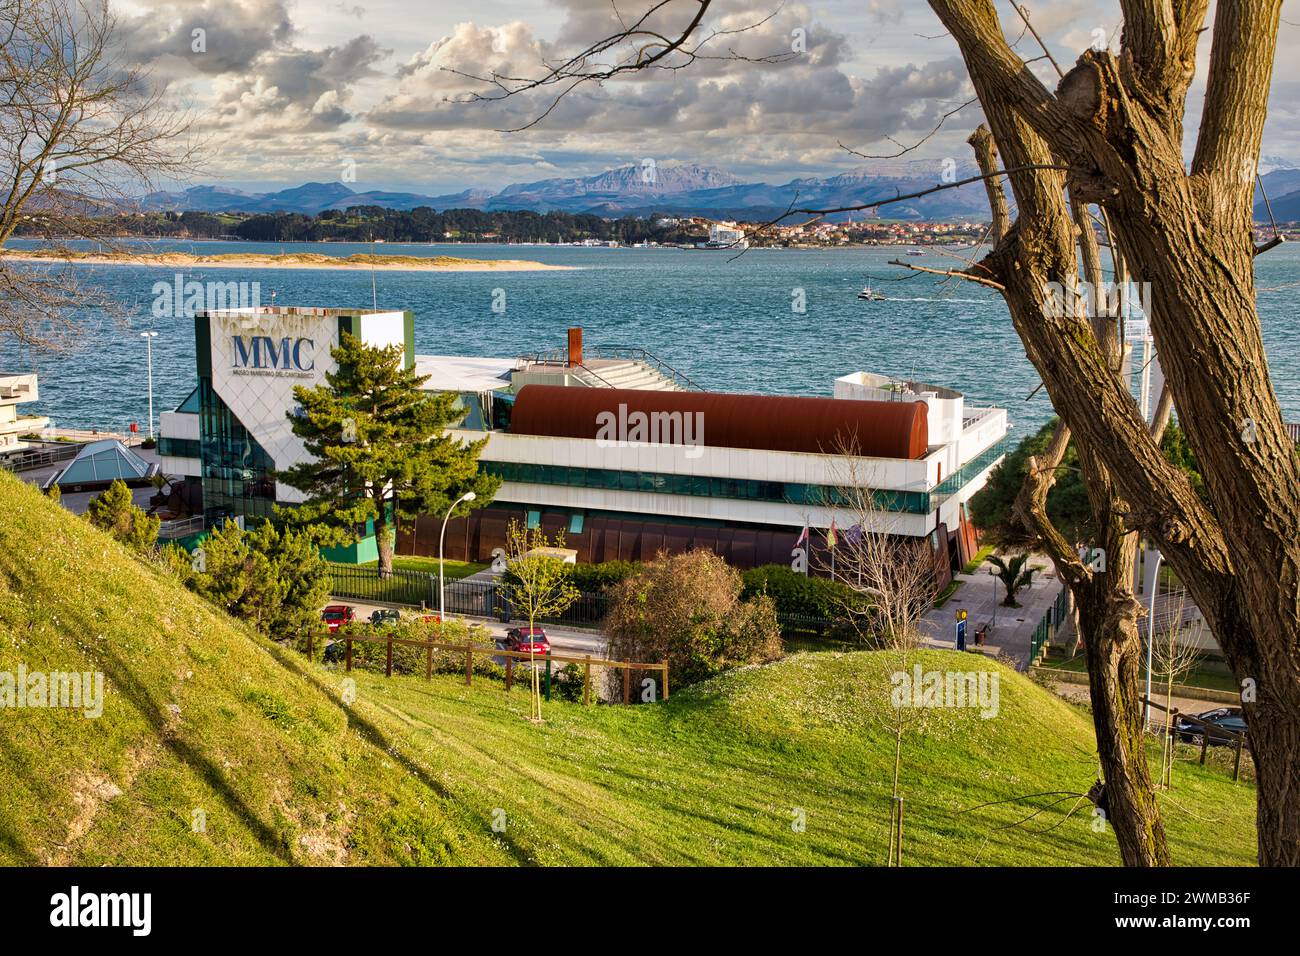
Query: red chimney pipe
(575, 346)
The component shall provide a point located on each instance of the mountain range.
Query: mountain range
(672, 189)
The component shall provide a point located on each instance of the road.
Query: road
(564, 640)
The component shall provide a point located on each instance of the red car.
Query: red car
(336, 615)
(526, 639)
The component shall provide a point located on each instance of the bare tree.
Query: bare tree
(79, 131)
(894, 578)
(1175, 650)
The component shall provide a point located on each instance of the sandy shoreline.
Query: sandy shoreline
(298, 260)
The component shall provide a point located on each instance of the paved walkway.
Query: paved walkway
(1011, 629)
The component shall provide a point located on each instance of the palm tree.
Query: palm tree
(1013, 573)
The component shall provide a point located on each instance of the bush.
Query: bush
(687, 609)
(114, 510)
(567, 684)
(274, 579)
(795, 593)
(594, 578)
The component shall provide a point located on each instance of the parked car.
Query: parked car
(526, 639)
(385, 615)
(1225, 723)
(336, 615)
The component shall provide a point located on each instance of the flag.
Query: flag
(831, 538)
(853, 535)
(803, 536)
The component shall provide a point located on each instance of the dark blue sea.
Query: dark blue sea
(725, 321)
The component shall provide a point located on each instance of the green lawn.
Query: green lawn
(204, 721)
(974, 563)
(716, 775)
(452, 570)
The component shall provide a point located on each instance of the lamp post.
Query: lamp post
(1151, 628)
(148, 339)
(467, 496)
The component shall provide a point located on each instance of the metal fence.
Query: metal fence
(473, 598)
(38, 459)
(1052, 619)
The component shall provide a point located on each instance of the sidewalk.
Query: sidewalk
(1011, 629)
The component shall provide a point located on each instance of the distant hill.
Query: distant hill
(682, 189)
(1283, 187)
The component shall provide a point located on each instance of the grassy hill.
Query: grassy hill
(200, 714)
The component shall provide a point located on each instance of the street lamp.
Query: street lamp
(148, 339)
(467, 496)
(1151, 628)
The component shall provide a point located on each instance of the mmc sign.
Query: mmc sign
(267, 354)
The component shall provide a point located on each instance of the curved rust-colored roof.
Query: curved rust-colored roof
(771, 422)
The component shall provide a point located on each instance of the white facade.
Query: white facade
(259, 356)
(14, 391)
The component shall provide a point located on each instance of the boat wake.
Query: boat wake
(927, 299)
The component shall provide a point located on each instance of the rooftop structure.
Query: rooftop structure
(99, 463)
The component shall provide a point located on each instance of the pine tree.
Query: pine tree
(380, 449)
(114, 510)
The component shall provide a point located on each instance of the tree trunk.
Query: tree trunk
(383, 544)
(1116, 123)
(1113, 650)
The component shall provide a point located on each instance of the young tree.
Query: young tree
(893, 579)
(80, 131)
(380, 449)
(274, 578)
(1175, 649)
(114, 510)
(538, 585)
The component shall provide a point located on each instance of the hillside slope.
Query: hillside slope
(724, 772)
(201, 715)
(202, 721)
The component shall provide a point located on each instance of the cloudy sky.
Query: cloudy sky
(287, 91)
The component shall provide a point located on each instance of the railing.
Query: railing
(963, 475)
(38, 459)
(1047, 625)
(474, 598)
(628, 353)
(181, 527)
(637, 354)
(469, 650)
(1208, 730)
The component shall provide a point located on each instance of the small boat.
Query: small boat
(916, 252)
(871, 295)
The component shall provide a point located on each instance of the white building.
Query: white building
(16, 390)
(738, 474)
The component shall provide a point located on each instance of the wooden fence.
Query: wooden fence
(470, 650)
(1235, 740)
